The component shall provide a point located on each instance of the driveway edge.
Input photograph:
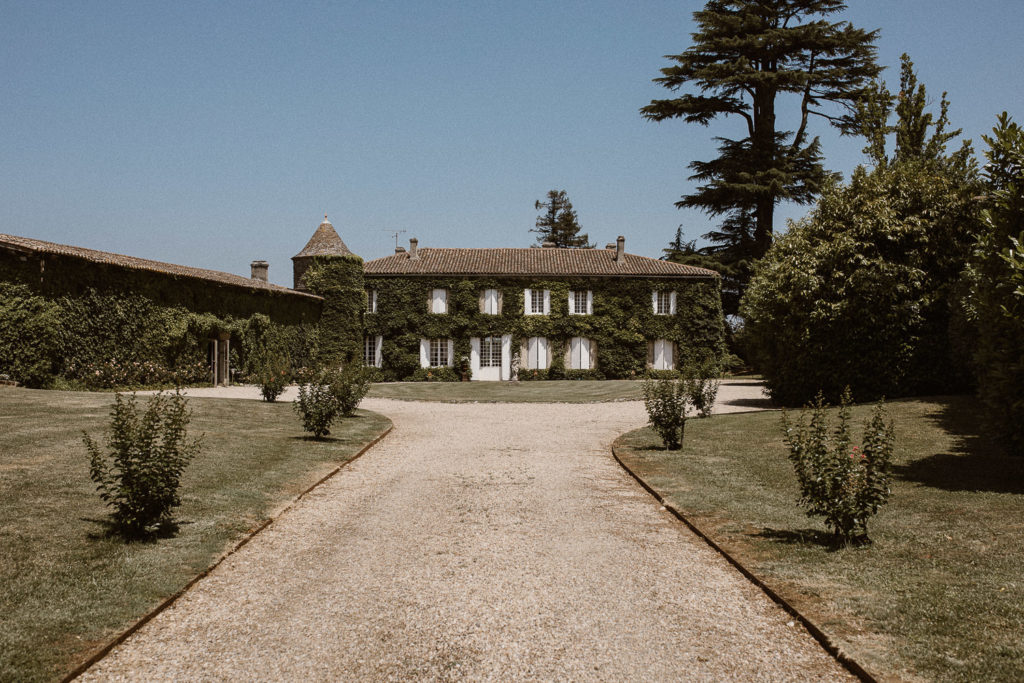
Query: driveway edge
(819, 635)
(144, 619)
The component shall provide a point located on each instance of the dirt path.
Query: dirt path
(476, 542)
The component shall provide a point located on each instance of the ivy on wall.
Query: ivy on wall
(66, 318)
(339, 280)
(621, 324)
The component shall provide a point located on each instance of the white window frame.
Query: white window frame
(491, 302)
(372, 347)
(581, 355)
(537, 349)
(438, 353)
(663, 302)
(581, 302)
(371, 300)
(531, 297)
(490, 352)
(439, 301)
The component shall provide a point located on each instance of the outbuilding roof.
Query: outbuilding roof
(26, 244)
(530, 262)
(324, 242)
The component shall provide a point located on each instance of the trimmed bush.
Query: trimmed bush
(139, 473)
(331, 394)
(666, 401)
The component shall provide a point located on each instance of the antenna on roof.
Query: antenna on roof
(396, 233)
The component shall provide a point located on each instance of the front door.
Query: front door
(490, 359)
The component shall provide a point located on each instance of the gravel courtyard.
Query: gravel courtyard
(477, 542)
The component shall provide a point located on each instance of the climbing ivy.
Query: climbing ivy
(339, 280)
(622, 321)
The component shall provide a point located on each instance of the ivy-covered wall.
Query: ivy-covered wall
(65, 317)
(339, 280)
(621, 324)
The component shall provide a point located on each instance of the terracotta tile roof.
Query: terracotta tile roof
(26, 244)
(530, 262)
(324, 242)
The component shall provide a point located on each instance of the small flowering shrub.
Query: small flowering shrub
(666, 400)
(272, 377)
(700, 382)
(843, 483)
(349, 386)
(139, 472)
(114, 374)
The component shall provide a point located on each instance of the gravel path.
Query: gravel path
(476, 542)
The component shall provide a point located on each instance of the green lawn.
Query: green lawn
(555, 391)
(940, 593)
(65, 586)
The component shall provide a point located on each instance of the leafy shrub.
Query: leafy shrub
(29, 335)
(700, 384)
(845, 485)
(332, 393)
(583, 374)
(140, 472)
(272, 377)
(666, 401)
(435, 375)
(528, 375)
(113, 374)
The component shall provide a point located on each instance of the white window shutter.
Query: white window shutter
(531, 354)
(574, 353)
(545, 353)
(378, 361)
(424, 353)
(584, 354)
(483, 301)
(506, 357)
(526, 302)
(572, 302)
(501, 298)
(451, 353)
(669, 356)
(590, 302)
(444, 300)
(654, 301)
(474, 357)
(547, 302)
(659, 354)
(672, 303)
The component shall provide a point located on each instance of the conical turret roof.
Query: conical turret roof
(324, 242)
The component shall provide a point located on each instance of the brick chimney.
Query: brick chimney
(259, 270)
(414, 244)
(620, 249)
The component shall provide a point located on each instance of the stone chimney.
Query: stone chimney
(414, 244)
(620, 249)
(259, 270)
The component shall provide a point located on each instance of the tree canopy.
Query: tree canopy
(745, 54)
(558, 223)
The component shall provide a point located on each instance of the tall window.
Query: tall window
(537, 353)
(438, 353)
(537, 301)
(371, 351)
(664, 303)
(439, 301)
(490, 352)
(581, 355)
(491, 302)
(371, 301)
(580, 302)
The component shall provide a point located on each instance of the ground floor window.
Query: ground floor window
(662, 355)
(439, 353)
(537, 353)
(581, 353)
(490, 352)
(371, 351)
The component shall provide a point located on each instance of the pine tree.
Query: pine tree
(746, 53)
(558, 224)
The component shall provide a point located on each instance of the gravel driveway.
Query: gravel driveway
(477, 542)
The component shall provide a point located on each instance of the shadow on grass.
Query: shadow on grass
(974, 463)
(316, 439)
(808, 537)
(109, 530)
(759, 403)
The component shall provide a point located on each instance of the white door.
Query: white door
(490, 359)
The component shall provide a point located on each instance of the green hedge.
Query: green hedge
(621, 324)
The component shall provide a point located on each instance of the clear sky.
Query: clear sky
(214, 133)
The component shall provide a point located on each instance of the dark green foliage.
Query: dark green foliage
(435, 375)
(30, 327)
(860, 293)
(558, 224)
(620, 326)
(140, 472)
(339, 280)
(329, 395)
(845, 485)
(746, 54)
(666, 401)
(700, 380)
(996, 275)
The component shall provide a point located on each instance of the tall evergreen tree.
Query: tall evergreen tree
(558, 223)
(746, 53)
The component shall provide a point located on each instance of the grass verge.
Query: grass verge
(940, 593)
(66, 586)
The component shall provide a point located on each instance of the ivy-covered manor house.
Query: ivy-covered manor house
(421, 313)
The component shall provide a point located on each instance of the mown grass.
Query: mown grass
(939, 595)
(66, 585)
(554, 391)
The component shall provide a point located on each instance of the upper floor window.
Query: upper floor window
(490, 302)
(439, 301)
(664, 302)
(371, 301)
(537, 302)
(581, 302)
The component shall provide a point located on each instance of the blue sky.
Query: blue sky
(214, 133)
